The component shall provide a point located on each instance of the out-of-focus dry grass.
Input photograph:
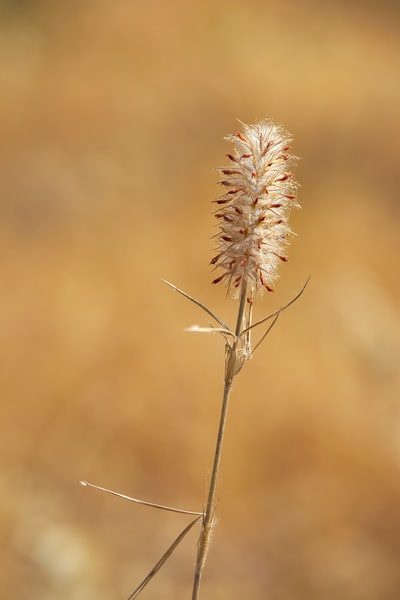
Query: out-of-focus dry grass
(112, 118)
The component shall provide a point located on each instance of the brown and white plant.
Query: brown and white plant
(252, 239)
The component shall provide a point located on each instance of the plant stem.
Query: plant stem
(232, 366)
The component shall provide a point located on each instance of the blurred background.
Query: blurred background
(111, 126)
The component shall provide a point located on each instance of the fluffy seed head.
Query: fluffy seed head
(253, 212)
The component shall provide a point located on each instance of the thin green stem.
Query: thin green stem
(232, 366)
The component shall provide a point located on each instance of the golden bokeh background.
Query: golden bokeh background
(112, 122)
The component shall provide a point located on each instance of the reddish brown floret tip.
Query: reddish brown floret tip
(285, 177)
(218, 279)
(241, 137)
(230, 172)
(264, 283)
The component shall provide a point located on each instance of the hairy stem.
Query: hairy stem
(232, 366)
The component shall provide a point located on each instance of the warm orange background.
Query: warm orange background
(112, 122)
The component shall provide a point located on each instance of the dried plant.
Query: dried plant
(260, 192)
(253, 235)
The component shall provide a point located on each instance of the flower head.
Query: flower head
(254, 210)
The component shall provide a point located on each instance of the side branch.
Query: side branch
(279, 310)
(152, 504)
(198, 303)
(162, 560)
